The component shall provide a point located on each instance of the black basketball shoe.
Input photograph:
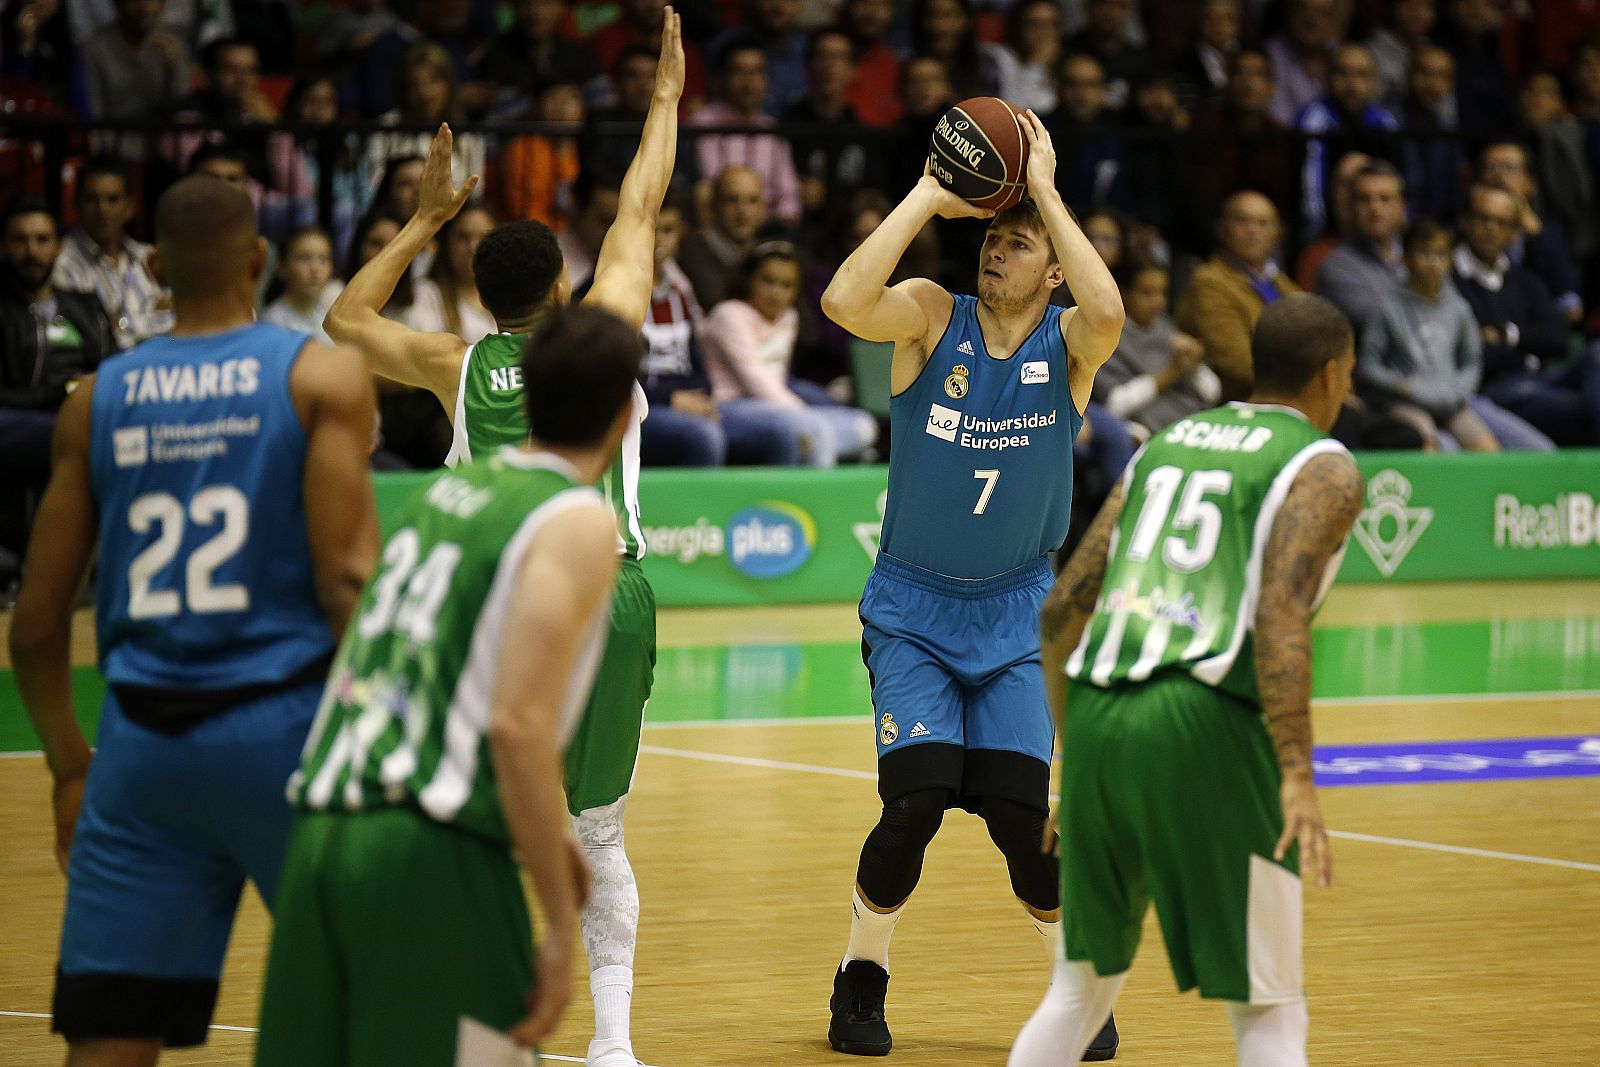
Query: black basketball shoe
(1104, 1045)
(857, 1027)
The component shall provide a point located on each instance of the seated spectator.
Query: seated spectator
(351, 27)
(1302, 55)
(1525, 336)
(1226, 294)
(633, 81)
(100, 258)
(534, 176)
(595, 198)
(1232, 164)
(231, 95)
(36, 46)
(639, 23)
(1432, 158)
(875, 93)
(926, 92)
(531, 55)
(749, 342)
(132, 69)
(1559, 161)
(737, 212)
(1421, 358)
(774, 25)
(294, 166)
(1089, 170)
(373, 89)
(742, 91)
(1540, 245)
(1484, 90)
(1108, 38)
(943, 29)
(223, 160)
(829, 156)
(1366, 266)
(305, 274)
(685, 427)
(49, 338)
(1350, 108)
(1157, 375)
(1397, 45)
(1025, 62)
(1202, 69)
(427, 83)
(449, 292)
(1159, 180)
(1344, 195)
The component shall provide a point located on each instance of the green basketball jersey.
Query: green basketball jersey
(404, 719)
(1183, 569)
(489, 414)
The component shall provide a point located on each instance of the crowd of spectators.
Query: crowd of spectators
(1426, 164)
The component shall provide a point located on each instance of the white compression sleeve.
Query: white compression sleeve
(1072, 1012)
(1270, 1035)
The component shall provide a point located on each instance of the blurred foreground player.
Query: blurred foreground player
(435, 764)
(223, 469)
(988, 394)
(1184, 622)
(520, 275)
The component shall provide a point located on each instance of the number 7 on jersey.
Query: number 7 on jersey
(989, 478)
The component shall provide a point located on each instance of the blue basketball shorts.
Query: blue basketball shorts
(170, 828)
(958, 697)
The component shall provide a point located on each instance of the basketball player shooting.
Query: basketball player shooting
(987, 397)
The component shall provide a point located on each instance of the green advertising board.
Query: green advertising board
(788, 536)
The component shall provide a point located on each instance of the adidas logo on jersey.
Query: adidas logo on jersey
(918, 730)
(965, 348)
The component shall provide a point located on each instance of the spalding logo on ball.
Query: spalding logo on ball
(980, 153)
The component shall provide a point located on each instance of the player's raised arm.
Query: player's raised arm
(333, 394)
(431, 361)
(1094, 327)
(1070, 605)
(64, 535)
(563, 584)
(624, 272)
(859, 297)
(1313, 522)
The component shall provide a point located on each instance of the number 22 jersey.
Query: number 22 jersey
(197, 459)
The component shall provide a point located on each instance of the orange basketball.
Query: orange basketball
(979, 151)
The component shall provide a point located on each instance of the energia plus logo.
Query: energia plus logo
(770, 539)
(1388, 528)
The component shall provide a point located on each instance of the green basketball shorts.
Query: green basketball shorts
(1170, 794)
(605, 746)
(388, 928)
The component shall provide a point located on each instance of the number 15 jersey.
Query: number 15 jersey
(1183, 569)
(980, 458)
(197, 459)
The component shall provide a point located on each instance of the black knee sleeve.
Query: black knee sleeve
(891, 860)
(1018, 831)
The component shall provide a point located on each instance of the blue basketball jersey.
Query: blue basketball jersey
(980, 459)
(197, 460)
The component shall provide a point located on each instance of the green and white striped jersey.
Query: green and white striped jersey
(404, 719)
(489, 414)
(1183, 569)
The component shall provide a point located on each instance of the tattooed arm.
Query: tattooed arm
(1067, 609)
(1309, 528)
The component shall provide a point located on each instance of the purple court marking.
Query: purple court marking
(1457, 761)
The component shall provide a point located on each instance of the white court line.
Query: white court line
(1459, 698)
(1400, 842)
(254, 1030)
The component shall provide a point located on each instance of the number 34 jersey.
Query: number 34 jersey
(1183, 569)
(197, 459)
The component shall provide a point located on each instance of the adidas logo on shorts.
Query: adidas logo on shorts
(918, 730)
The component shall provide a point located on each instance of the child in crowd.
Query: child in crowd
(305, 270)
(1157, 374)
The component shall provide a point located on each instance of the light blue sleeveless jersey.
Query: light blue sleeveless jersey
(197, 460)
(980, 460)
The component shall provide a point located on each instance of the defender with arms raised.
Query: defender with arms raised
(520, 276)
(988, 394)
(1183, 621)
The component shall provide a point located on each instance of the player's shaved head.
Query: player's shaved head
(1296, 336)
(205, 234)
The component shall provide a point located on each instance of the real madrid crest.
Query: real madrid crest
(955, 386)
(889, 729)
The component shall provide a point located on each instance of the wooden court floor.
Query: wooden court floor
(744, 837)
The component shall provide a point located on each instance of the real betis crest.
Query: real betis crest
(1389, 528)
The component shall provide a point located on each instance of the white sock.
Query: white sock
(1270, 1035)
(1050, 930)
(870, 932)
(1072, 1012)
(610, 922)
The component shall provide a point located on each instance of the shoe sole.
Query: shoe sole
(860, 1048)
(1098, 1055)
